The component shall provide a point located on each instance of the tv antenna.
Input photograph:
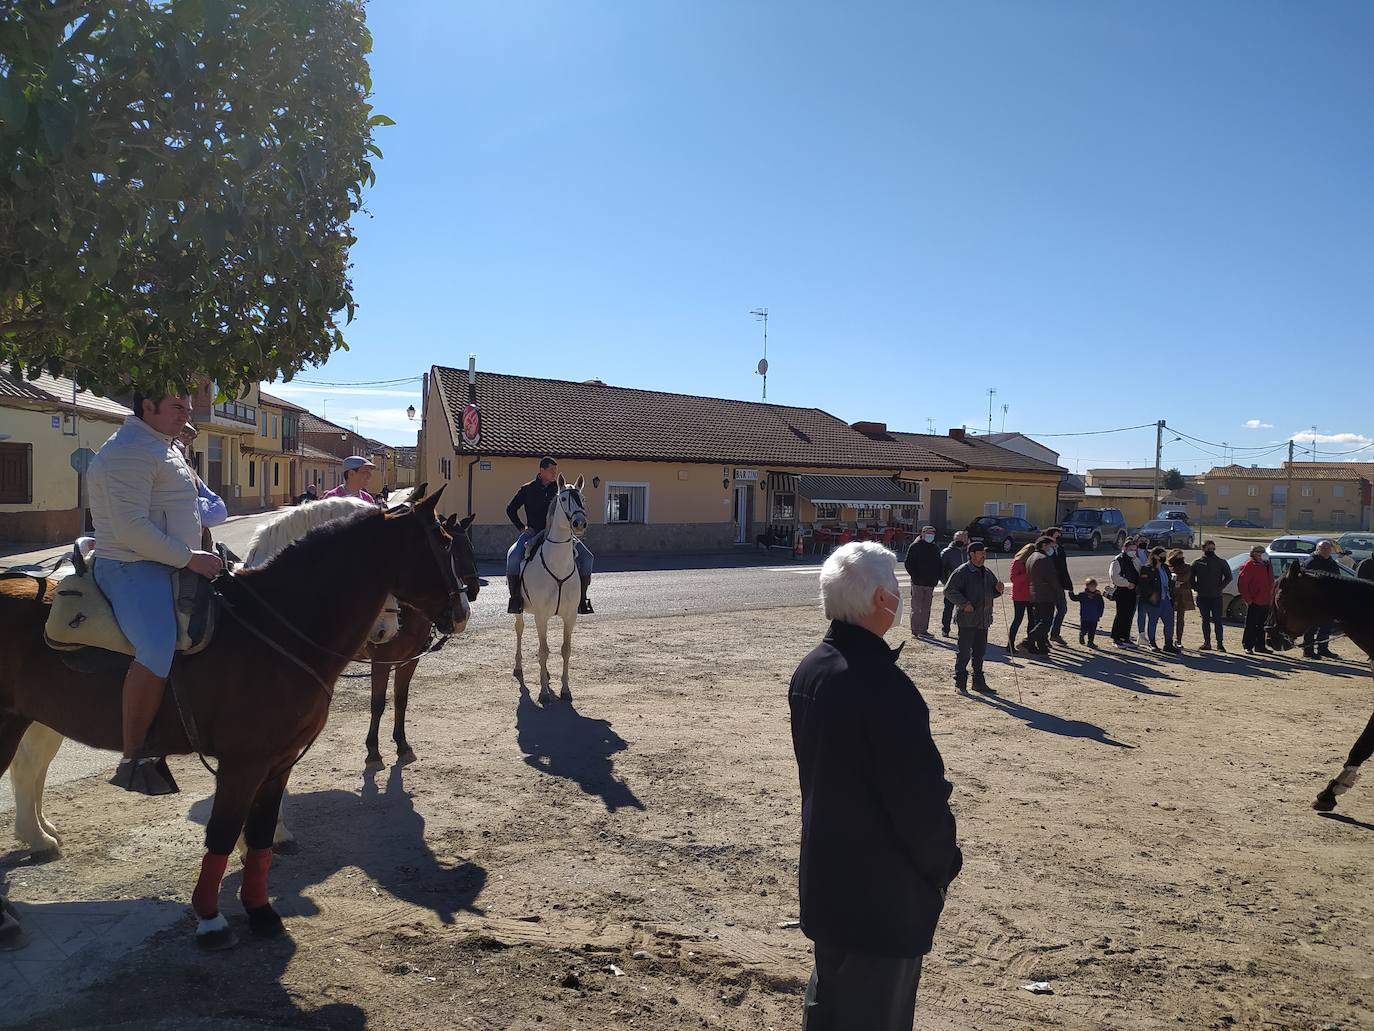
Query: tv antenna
(1004, 417)
(992, 392)
(762, 369)
(930, 425)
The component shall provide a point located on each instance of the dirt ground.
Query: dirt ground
(1136, 830)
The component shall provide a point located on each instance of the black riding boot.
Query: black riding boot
(584, 607)
(517, 601)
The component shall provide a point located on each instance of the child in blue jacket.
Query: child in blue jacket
(1091, 605)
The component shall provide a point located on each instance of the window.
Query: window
(1223, 513)
(215, 461)
(1305, 517)
(264, 424)
(784, 506)
(990, 508)
(1337, 518)
(1338, 491)
(866, 513)
(1223, 490)
(1252, 491)
(274, 427)
(1252, 514)
(252, 472)
(912, 487)
(1018, 510)
(276, 474)
(627, 502)
(826, 511)
(1307, 492)
(16, 474)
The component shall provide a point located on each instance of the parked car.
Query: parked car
(1174, 513)
(1301, 544)
(1356, 547)
(1242, 524)
(1168, 533)
(1003, 533)
(1233, 607)
(1090, 527)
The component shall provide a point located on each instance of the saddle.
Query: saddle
(81, 617)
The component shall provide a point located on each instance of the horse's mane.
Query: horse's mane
(294, 525)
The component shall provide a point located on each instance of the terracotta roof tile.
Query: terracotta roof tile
(977, 453)
(1300, 473)
(523, 415)
(45, 389)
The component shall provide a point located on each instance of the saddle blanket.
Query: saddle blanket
(82, 617)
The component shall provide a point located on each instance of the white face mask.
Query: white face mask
(897, 612)
(929, 538)
(1130, 552)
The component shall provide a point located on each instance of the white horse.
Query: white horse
(549, 582)
(38, 748)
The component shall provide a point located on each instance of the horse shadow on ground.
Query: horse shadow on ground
(556, 739)
(378, 832)
(1349, 821)
(1048, 722)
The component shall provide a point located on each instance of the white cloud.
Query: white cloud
(1348, 440)
(1256, 424)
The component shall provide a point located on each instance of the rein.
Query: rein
(560, 581)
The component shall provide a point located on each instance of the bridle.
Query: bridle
(574, 497)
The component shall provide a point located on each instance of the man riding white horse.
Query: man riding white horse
(535, 498)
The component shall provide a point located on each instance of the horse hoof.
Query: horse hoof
(565, 695)
(39, 856)
(373, 765)
(1325, 802)
(546, 696)
(405, 758)
(289, 847)
(264, 922)
(215, 934)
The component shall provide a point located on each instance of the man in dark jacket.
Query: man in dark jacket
(535, 498)
(1365, 570)
(1210, 577)
(924, 566)
(1044, 587)
(878, 849)
(1061, 597)
(1316, 643)
(972, 590)
(954, 556)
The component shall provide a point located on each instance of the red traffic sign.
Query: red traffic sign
(472, 425)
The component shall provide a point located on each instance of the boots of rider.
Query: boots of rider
(584, 607)
(517, 601)
(146, 774)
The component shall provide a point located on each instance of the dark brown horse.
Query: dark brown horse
(1306, 600)
(259, 695)
(403, 652)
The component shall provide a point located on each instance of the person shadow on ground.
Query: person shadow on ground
(1037, 719)
(556, 739)
(380, 833)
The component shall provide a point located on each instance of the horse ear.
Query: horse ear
(451, 523)
(1293, 571)
(465, 523)
(578, 485)
(562, 483)
(430, 503)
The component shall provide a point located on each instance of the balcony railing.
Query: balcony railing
(238, 411)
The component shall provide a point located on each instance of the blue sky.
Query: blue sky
(1111, 213)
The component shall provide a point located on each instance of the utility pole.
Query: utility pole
(1159, 451)
(1288, 493)
(761, 314)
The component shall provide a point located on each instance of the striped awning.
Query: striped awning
(856, 492)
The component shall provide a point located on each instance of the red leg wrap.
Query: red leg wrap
(255, 865)
(205, 899)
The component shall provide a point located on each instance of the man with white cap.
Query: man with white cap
(357, 474)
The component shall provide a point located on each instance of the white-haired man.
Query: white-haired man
(878, 849)
(1316, 643)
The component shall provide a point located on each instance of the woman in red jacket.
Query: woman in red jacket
(1020, 593)
(1256, 583)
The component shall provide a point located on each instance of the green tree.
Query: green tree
(1173, 479)
(176, 185)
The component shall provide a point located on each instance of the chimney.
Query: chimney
(871, 430)
(472, 378)
(957, 434)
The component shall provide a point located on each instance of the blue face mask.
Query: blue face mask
(1049, 551)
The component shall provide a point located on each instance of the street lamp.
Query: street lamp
(410, 413)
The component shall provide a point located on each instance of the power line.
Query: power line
(1091, 433)
(1224, 445)
(358, 383)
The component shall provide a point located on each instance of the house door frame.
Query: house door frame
(743, 512)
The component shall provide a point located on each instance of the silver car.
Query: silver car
(1279, 561)
(1355, 547)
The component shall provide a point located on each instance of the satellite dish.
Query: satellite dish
(763, 366)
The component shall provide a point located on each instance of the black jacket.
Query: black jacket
(878, 847)
(1365, 570)
(1317, 564)
(1210, 576)
(923, 563)
(535, 498)
(1061, 565)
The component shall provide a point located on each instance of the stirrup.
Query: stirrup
(148, 775)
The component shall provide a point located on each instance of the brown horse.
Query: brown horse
(259, 695)
(403, 652)
(1306, 600)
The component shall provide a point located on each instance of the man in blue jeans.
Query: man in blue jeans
(146, 513)
(535, 498)
(1210, 577)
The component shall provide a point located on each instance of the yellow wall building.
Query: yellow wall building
(45, 426)
(679, 472)
(1321, 498)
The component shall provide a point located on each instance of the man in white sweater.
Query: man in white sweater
(147, 526)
